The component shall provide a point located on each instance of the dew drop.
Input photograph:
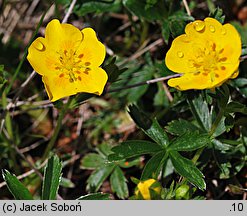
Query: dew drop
(199, 26)
(223, 31)
(212, 28)
(39, 46)
(180, 54)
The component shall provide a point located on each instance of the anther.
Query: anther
(80, 56)
(223, 59)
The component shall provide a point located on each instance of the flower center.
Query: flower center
(70, 65)
(208, 60)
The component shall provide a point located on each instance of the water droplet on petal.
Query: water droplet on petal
(39, 46)
(199, 25)
(180, 54)
(223, 31)
(212, 28)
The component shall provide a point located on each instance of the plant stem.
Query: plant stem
(144, 83)
(216, 122)
(57, 129)
(197, 155)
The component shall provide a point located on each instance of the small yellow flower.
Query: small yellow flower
(206, 55)
(144, 188)
(68, 60)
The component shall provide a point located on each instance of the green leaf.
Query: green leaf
(221, 128)
(113, 70)
(67, 183)
(151, 12)
(98, 7)
(151, 128)
(177, 23)
(200, 111)
(98, 176)
(177, 27)
(218, 14)
(95, 196)
(130, 163)
(233, 107)
(140, 118)
(242, 29)
(157, 133)
(165, 28)
(52, 178)
(92, 161)
(133, 148)
(189, 141)
(153, 166)
(118, 183)
(179, 127)
(18, 190)
(187, 169)
(240, 84)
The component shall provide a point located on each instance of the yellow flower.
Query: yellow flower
(68, 60)
(207, 55)
(144, 188)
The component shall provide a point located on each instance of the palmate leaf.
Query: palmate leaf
(133, 148)
(118, 183)
(187, 169)
(52, 178)
(19, 191)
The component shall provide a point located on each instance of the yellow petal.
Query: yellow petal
(178, 56)
(189, 81)
(92, 49)
(38, 53)
(59, 87)
(62, 36)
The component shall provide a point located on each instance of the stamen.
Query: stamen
(87, 63)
